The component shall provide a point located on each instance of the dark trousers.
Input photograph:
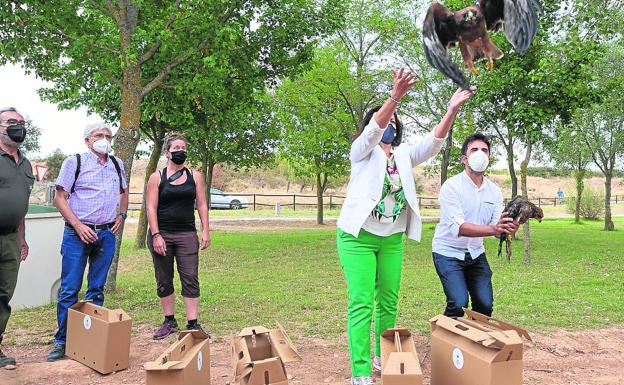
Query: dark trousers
(10, 253)
(183, 247)
(463, 278)
(76, 254)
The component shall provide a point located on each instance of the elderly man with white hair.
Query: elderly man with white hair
(92, 196)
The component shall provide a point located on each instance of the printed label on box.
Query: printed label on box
(458, 358)
(87, 322)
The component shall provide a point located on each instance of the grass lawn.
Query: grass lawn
(575, 281)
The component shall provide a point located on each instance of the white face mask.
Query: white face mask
(102, 146)
(478, 161)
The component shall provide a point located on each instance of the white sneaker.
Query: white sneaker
(377, 363)
(362, 380)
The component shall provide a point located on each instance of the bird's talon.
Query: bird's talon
(473, 71)
(490, 64)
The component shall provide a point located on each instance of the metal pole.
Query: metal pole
(254, 201)
(294, 202)
(331, 203)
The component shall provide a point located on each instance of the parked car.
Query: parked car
(220, 200)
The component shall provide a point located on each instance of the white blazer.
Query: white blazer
(368, 168)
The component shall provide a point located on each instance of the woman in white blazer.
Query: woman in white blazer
(380, 206)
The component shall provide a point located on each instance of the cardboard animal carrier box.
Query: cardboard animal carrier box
(399, 359)
(187, 362)
(475, 350)
(259, 354)
(98, 337)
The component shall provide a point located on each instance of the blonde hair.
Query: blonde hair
(172, 136)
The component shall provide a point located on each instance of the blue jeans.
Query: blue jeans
(75, 256)
(462, 278)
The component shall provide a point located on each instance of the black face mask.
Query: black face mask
(17, 133)
(178, 157)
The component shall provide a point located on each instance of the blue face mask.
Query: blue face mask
(389, 134)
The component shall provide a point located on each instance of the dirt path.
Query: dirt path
(593, 357)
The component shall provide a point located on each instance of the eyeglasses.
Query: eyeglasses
(13, 122)
(102, 136)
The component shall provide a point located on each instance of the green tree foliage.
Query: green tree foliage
(316, 124)
(570, 152)
(90, 50)
(590, 205)
(31, 143)
(54, 162)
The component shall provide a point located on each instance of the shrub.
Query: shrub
(592, 203)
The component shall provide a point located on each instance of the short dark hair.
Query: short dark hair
(473, 138)
(367, 118)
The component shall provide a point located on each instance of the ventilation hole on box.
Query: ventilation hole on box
(266, 378)
(462, 327)
(240, 355)
(93, 362)
(509, 356)
(402, 368)
(117, 364)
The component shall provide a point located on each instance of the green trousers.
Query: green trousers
(10, 254)
(372, 268)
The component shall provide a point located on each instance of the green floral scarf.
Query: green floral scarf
(396, 189)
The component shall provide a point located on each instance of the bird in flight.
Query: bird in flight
(468, 27)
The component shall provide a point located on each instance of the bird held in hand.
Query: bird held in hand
(443, 29)
(520, 210)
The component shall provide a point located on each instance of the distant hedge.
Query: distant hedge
(552, 172)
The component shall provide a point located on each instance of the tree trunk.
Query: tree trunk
(319, 199)
(446, 157)
(208, 179)
(608, 225)
(126, 141)
(512, 170)
(139, 241)
(578, 177)
(525, 194)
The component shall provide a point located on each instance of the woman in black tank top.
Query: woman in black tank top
(171, 197)
(176, 202)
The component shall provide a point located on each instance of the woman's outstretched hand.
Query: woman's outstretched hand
(404, 79)
(460, 96)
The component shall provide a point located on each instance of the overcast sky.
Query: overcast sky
(59, 129)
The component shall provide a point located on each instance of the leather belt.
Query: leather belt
(105, 226)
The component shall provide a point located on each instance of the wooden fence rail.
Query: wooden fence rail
(257, 201)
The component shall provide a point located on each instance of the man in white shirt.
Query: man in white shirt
(471, 208)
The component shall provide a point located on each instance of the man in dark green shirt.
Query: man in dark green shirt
(16, 181)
